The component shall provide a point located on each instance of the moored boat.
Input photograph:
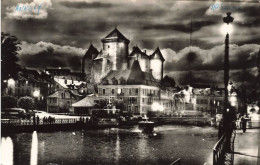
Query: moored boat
(146, 125)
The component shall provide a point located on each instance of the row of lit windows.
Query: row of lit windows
(126, 91)
(148, 92)
(148, 101)
(167, 105)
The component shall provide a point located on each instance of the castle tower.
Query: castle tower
(156, 64)
(115, 49)
(87, 60)
(141, 57)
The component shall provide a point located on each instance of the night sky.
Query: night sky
(63, 29)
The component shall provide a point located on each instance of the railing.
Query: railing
(250, 124)
(18, 122)
(176, 162)
(224, 146)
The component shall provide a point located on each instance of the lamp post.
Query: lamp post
(228, 19)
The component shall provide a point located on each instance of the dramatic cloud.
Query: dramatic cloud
(148, 24)
(38, 9)
(205, 63)
(81, 5)
(42, 55)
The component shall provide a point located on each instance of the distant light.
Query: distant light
(233, 100)
(10, 82)
(36, 93)
(227, 110)
(157, 107)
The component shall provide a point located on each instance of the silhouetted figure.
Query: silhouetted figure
(244, 122)
(38, 120)
(49, 119)
(44, 120)
(34, 120)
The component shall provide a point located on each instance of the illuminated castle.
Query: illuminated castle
(114, 56)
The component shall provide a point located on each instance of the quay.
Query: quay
(19, 126)
(197, 121)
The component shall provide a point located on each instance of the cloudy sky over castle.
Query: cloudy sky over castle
(59, 32)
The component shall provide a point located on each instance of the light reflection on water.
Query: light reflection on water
(34, 149)
(6, 151)
(116, 146)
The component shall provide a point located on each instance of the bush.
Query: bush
(26, 103)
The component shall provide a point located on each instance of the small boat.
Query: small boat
(146, 125)
(107, 122)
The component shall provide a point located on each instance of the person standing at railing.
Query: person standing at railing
(49, 120)
(244, 122)
(38, 120)
(34, 120)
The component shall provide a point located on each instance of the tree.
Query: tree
(8, 102)
(168, 82)
(100, 104)
(119, 104)
(26, 103)
(9, 54)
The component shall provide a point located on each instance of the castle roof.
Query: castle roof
(137, 50)
(115, 36)
(91, 50)
(134, 75)
(157, 54)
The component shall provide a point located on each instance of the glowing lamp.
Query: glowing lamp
(226, 29)
(36, 93)
(233, 100)
(10, 82)
(155, 106)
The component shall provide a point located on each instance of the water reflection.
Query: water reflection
(143, 149)
(117, 149)
(6, 151)
(34, 149)
(111, 146)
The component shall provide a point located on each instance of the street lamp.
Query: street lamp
(228, 19)
(36, 93)
(10, 86)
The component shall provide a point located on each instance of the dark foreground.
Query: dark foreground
(112, 146)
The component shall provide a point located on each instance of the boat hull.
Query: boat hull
(146, 127)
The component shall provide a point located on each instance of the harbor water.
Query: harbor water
(111, 146)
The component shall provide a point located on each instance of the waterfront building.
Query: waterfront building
(84, 106)
(60, 102)
(209, 100)
(28, 82)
